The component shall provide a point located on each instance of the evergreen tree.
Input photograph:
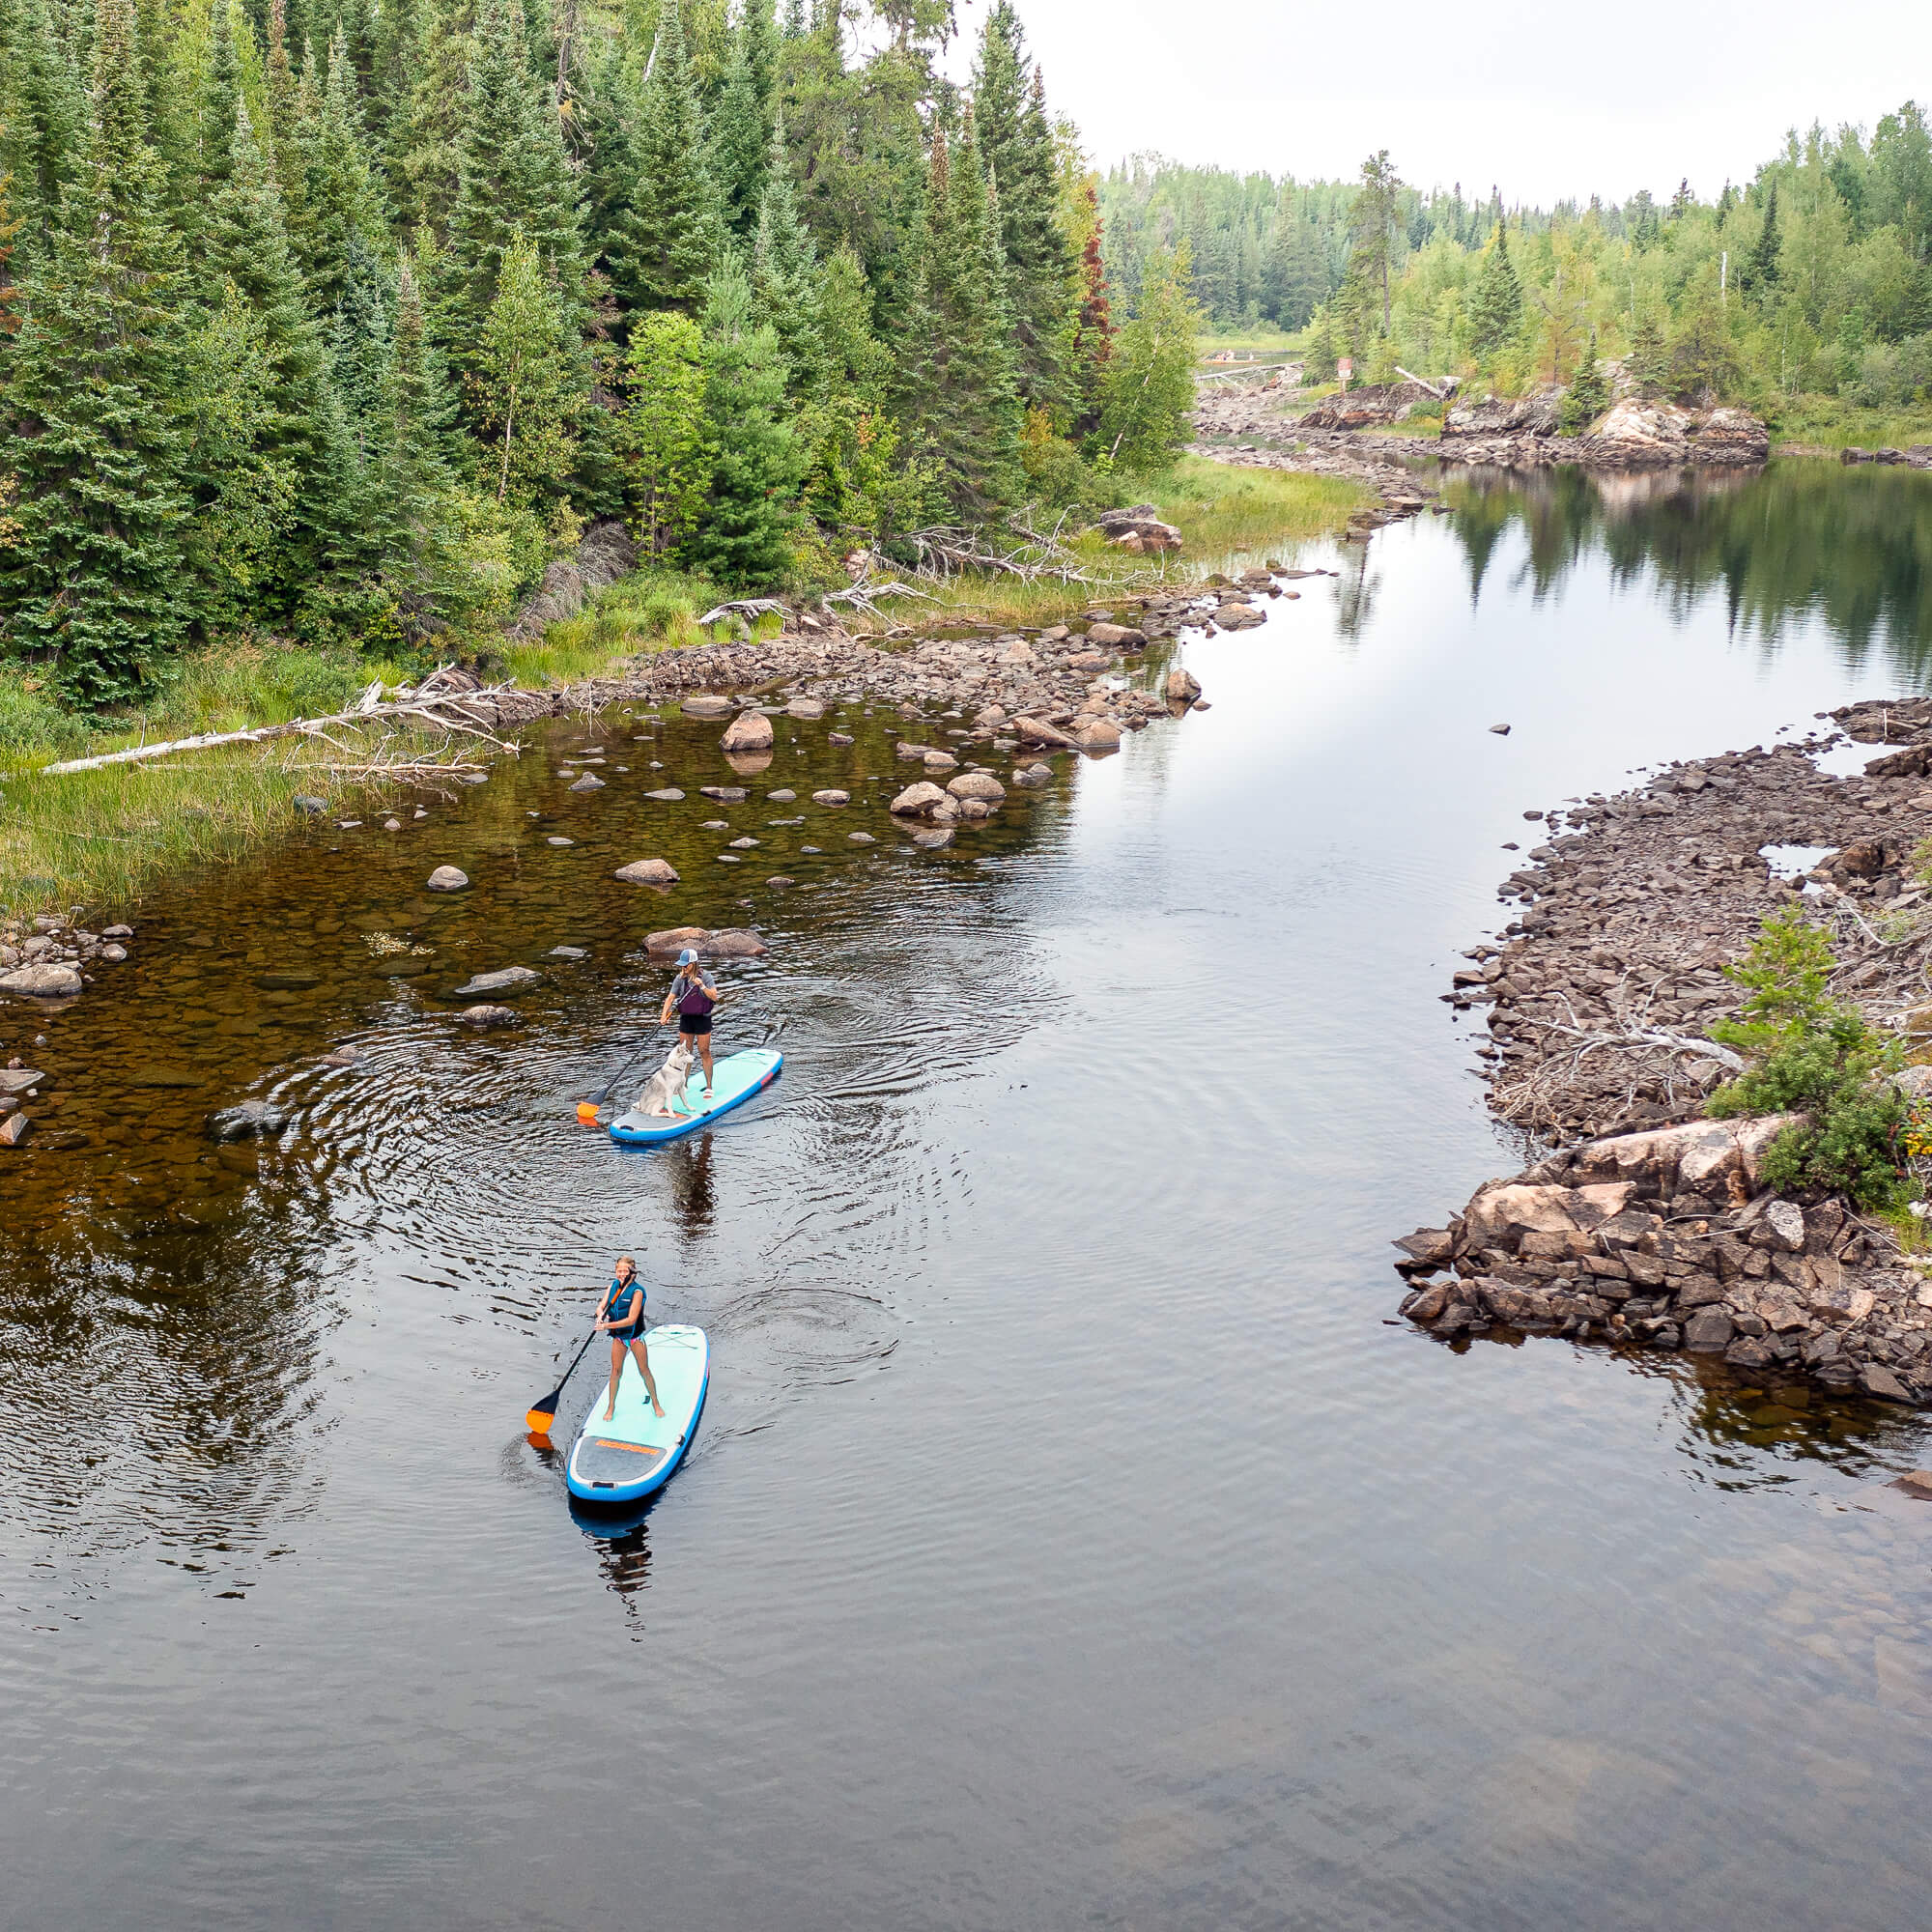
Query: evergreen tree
(1016, 146)
(1374, 221)
(747, 113)
(220, 91)
(290, 124)
(1588, 395)
(42, 118)
(359, 353)
(784, 275)
(413, 484)
(424, 154)
(521, 396)
(1495, 304)
(342, 206)
(663, 244)
(1649, 361)
(516, 176)
(959, 392)
(1148, 390)
(1760, 265)
(94, 578)
(660, 437)
(744, 535)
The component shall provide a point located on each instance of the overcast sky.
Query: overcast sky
(1548, 100)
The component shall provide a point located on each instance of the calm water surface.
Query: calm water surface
(1069, 1539)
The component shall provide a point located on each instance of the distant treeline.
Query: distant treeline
(1814, 278)
(338, 319)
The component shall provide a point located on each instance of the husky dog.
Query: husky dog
(667, 1083)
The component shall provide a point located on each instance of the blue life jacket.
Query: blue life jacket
(619, 1298)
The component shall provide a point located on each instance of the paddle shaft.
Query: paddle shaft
(547, 1407)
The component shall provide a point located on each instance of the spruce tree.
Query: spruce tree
(664, 242)
(290, 124)
(1017, 147)
(785, 275)
(1495, 302)
(1588, 395)
(423, 158)
(215, 118)
(1760, 268)
(413, 493)
(741, 130)
(343, 206)
(1093, 325)
(744, 533)
(516, 179)
(94, 578)
(43, 122)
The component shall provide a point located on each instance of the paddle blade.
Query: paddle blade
(586, 1111)
(539, 1419)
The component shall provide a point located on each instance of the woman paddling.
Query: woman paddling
(693, 993)
(622, 1316)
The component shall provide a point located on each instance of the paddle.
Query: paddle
(588, 1109)
(542, 1414)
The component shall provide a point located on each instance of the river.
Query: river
(1072, 1537)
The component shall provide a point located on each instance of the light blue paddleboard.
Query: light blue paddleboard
(637, 1453)
(734, 1080)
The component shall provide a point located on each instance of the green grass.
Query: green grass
(1266, 341)
(653, 609)
(1828, 422)
(1228, 518)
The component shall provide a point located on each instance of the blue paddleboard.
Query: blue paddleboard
(734, 1080)
(636, 1453)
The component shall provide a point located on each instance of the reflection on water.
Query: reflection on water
(1801, 539)
(1068, 1538)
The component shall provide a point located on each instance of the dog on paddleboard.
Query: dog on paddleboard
(667, 1083)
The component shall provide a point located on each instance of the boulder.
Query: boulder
(1237, 616)
(727, 943)
(447, 879)
(941, 761)
(647, 872)
(1036, 731)
(707, 704)
(1116, 638)
(1730, 437)
(1032, 776)
(1708, 1332)
(1786, 1221)
(1525, 415)
(1834, 1299)
(1506, 1210)
(917, 801)
(978, 785)
(805, 707)
(1138, 527)
(1182, 686)
(18, 1080)
(484, 1017)
(831, 797)
(43, 983)
(748, 732)
(1880, 1381)
(1095, 735)
(933, 837)
(13, 1129)
(248, 1119)
(509, 979)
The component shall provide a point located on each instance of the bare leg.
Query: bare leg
(705, 1052)
(643, 1355)
(616, 1369)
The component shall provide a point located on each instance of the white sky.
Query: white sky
(1546, 99)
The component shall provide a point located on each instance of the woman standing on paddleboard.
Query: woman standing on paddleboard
(693, 993)
(622, 1316)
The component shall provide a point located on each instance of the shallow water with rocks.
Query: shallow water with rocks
(1070, 1537)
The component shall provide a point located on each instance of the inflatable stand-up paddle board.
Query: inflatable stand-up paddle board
(636, 1453)
(734, 1080)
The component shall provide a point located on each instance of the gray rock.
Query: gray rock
(670, 795)
(588, 784)
(312, 806)
(447, 879)
(114, 955)
(831, 797)
(248, 1119)
(917, 801)
(781, 879)
(838, 737)
(1501, 730)
(566, 952)
(744, 844)
(486, 1016)
(805, 707)
(1708, 1332)
(557, 840)
(18, 1080)
(725, 794)
(43, 983)
(647, 872)
(510, 979)
(859, 838)
(934, 838)
(1877, 1381)
(1786, 1221)
(781, 797)
(707, 704)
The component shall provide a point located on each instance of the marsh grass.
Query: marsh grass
(653, 609)
(1230, 518)
(1828, 422)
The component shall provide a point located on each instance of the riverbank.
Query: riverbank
(89, 843)
(1651, 1225)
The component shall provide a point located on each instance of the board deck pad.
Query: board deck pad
(636, 1452)
(735, 1078)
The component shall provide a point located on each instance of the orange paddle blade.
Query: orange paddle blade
(586, 1111)
(539, 1420)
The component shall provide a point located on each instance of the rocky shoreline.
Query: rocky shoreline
(1648, 1225)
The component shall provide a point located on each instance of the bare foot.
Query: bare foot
(657, 1408)
(610, 1416)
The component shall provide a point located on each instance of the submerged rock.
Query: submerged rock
(448, 879)
(484, 1017)
(647, 872)
(43, 983)
(510, 979)
(247, 1120)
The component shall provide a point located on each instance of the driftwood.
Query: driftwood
(444, 712)
(950, 550)
(862, 594)
(743, 606)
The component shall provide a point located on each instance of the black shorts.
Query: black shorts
(693, 1026)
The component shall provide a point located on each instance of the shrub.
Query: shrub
(1805, 1052)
